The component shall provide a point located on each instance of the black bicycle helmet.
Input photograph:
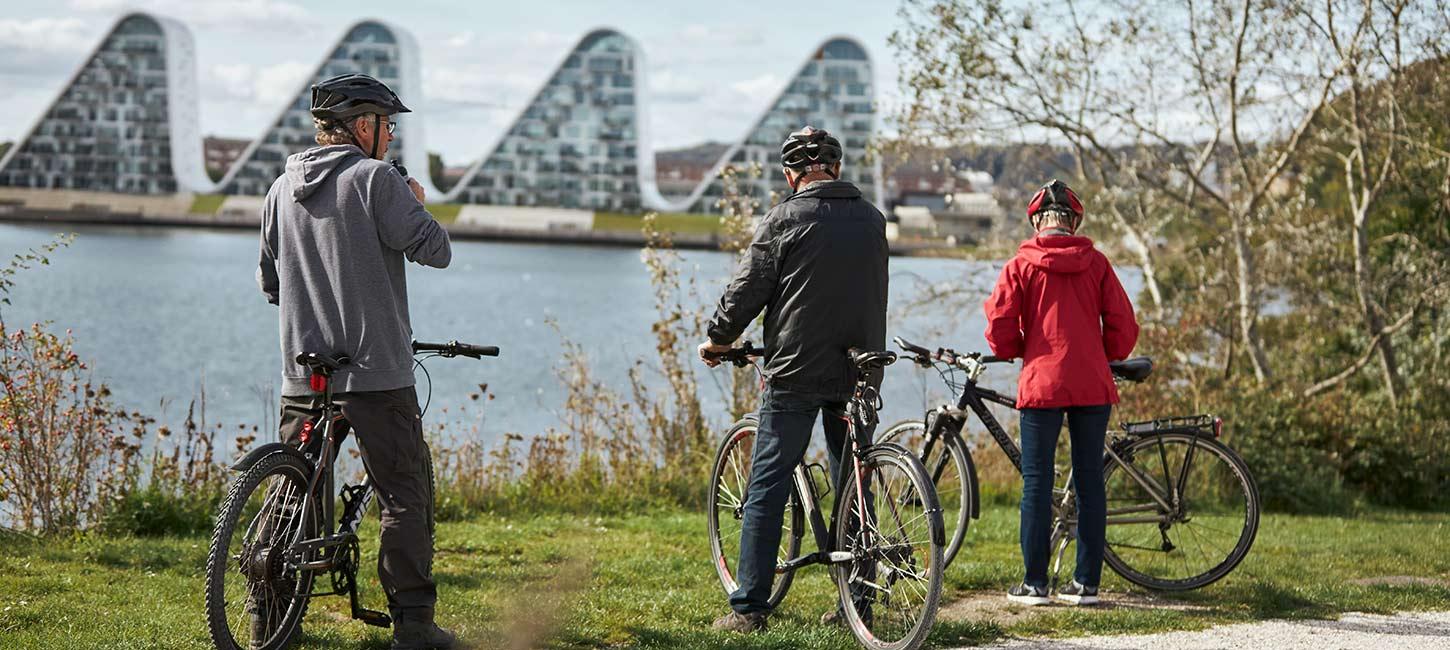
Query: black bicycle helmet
(810, 149)
(350, 95)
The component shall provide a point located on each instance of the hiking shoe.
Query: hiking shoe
(742, 623)
(1025, 594)
(837, 616)
(417, 631)
(1078, 594)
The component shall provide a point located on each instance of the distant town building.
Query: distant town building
(221, 153)
(956, 205)
(968, 216)
(680, 171)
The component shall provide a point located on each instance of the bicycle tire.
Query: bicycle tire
(1153, 446)
(925, 557)
(219, 564)
(722, 555)
(953, 485)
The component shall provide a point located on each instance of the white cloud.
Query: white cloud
(762, 88)
(266, 16)
(44, 46)
(276, 85)
(238, 86)
(51, 35)
(459, 40)
(669, 86)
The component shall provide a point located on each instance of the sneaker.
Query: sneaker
(1025, 594)
(742, 623)
(1078, 594)
(834, 617)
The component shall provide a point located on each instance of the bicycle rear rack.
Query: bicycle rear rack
(1203, 425)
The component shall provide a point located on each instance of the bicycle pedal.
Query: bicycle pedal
(372, 617)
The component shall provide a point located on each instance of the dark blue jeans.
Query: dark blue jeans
(786, 419)
(1086, 425)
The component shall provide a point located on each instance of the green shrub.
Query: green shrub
(155, 511)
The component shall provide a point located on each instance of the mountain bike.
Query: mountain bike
(275, 534)
(1183, 508)
(885, 543)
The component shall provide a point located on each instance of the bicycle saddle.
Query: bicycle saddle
(316, 361)
(864, 359)
(1134, 369)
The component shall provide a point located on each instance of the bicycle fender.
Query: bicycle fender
(256, 455)
(940, 537)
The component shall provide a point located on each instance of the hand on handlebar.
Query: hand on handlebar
(710, 352)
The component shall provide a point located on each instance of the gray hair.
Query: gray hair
(1055, 219)
(332, 131)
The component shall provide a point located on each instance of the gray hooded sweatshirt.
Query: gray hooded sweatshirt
(335, 229)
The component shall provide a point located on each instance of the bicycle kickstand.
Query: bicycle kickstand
(1060, 538)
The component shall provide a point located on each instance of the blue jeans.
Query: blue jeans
(786, 419)
(1087, 426)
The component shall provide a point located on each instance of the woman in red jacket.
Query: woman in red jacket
(1059, 306)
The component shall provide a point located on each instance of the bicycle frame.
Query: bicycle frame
(825, 534)
(949, 422)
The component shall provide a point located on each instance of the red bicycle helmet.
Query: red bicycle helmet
(1055, 196)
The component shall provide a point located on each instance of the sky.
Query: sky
(713, 67)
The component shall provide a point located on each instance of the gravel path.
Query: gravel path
(1353, 631)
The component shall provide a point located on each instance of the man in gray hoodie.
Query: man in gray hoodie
(336, 227)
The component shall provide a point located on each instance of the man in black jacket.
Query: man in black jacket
(817, 266)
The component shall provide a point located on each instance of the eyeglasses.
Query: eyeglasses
(391, 125)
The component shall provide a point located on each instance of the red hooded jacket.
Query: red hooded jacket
(1059, 306)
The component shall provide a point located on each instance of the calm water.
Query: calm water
(161, 312)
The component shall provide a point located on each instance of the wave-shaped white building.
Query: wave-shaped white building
(126, 122)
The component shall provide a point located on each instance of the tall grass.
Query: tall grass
(626, 443)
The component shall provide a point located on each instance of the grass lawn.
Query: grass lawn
(445, 212)
(644, 581)
(206, 203)
(665, 221)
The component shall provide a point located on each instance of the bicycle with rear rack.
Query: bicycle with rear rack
(1183, 508)
(275, 534)
(885, 543)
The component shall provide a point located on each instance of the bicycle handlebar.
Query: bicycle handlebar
(456, 349)
(924, 357)
(740, 356)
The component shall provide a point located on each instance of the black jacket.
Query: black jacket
(817, 266)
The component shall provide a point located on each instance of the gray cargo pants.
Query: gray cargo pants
(390, 433)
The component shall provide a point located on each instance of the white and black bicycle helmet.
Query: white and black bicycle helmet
(809, 150)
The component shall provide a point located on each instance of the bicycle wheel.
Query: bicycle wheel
(951, 472)
(729, 481)
(888, 519)
(1159, 542)
(251, 597)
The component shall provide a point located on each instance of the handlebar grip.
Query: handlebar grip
(478, 350)
(739, 356)
(987, 358)
(911, 347)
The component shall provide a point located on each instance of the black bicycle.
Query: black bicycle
(885, 543)
(275, 533)
(1183, 509)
